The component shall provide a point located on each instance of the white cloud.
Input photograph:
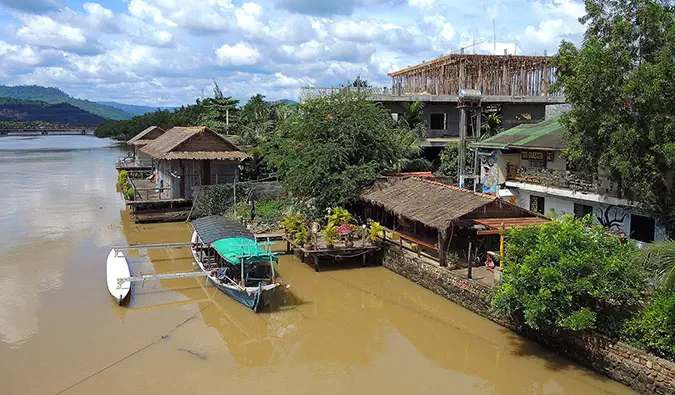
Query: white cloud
(43, 31)
(239, 54)
(166, 52)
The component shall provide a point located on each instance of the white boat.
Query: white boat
(117, 268)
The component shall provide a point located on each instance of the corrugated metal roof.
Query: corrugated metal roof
(215, 227)
(545, 135)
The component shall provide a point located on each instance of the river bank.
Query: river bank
(641, 371)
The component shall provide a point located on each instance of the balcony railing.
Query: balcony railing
(555, 178)
(308, 93)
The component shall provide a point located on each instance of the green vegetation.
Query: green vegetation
(568, 275)
(330, 234)
(331, 147)
(375, 230)
(25, 113)
(652, 328)
(659, 261)
(618, 82)
(125, 185)
(57, 96)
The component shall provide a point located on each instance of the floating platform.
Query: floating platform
(361, 249)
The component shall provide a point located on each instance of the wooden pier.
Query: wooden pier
(152, 204)
(361, 248)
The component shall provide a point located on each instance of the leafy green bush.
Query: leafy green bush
(338, 216)
(652, 328)
(567, 275)
(122, 177)
(293, 223)
(330, 234)
(129, 193)
(375, 230)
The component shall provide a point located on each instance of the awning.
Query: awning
(507, 192)
(215, 228)
(495, 225)
(234, 250)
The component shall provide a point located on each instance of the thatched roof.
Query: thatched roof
(193, 142)
(146, 136)
(431, 203)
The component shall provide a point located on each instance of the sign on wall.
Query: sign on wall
(537, 155)
(489, 172)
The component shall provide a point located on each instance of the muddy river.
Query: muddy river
(352, 330)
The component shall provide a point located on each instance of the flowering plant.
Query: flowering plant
(345, 230)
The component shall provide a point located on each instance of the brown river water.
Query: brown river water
(352, 330)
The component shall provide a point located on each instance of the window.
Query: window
(642, 228)
(537, 204)
(581, 210)
(437, 122)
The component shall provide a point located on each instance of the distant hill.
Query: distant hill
(134, 109)
(60, 113)
(55, 95)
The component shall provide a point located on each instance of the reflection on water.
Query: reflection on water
(363, 330)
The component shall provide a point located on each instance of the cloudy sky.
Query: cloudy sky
(166, 52)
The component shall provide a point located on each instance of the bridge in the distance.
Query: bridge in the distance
(74, 131)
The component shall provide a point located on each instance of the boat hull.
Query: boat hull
(118, 267)
(255, 298)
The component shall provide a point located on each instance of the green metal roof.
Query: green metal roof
(235, 249)
(545, 135)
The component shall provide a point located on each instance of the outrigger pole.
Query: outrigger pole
(166, 276)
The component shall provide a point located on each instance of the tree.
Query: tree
(659, 260)
(412, 114)
(568, 274)
(331, 147)
(620, 84)
(220, 112)
(491, 126)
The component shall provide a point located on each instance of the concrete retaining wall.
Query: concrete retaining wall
(641, 371)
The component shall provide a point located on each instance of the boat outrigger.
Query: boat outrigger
(234, 261)
(225, 251)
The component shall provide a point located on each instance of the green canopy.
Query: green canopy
(235, 248)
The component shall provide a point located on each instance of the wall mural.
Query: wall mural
(489, 172)
(612, 217)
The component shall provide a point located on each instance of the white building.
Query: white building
(525, 166)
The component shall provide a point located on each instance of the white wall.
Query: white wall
(619, 216)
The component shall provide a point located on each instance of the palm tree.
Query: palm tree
(412, 114)
(491, 126)
(659, 260)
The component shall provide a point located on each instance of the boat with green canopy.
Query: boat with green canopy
(234, 261)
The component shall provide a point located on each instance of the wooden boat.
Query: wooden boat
(234, 261)
(117, 268)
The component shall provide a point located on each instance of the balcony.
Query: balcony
(557, 179)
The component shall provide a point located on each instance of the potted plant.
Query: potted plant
(292, 224)
(330, 235)
(345, 231)
(374, 231)
(303, 238)
(338, 216)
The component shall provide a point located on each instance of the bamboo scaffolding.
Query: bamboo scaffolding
(497, 75)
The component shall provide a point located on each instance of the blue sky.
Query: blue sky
(167, 52)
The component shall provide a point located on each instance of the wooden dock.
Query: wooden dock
(152, 204)
(363, 249)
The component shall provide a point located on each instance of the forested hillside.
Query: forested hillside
(134, 109)
(55, 95)
(60, 113)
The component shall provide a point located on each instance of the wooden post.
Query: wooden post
(468, 273)
(441, 248)
(316, 263)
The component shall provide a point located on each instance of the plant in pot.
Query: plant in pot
(303, 237)
(345, 231)
(374, 231)
(330, 235)
(292, 224)
(338, 216)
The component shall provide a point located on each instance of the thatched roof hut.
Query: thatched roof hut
(445, 208)
(193, 142)
(147, 135)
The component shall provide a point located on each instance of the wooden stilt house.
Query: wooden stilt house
(143, 138)
(186, 158)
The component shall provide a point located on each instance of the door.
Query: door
(642, 228)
